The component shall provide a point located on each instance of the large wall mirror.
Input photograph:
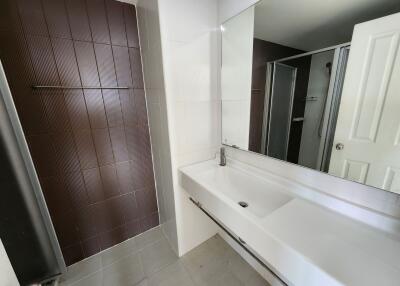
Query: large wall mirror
(316, 83)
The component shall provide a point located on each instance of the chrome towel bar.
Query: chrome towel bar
(78, 87)
(239, 241)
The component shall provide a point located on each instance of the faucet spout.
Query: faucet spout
(222, 157)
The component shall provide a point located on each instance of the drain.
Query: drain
(243, 204)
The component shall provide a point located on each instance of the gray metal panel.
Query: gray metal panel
(25, 225)
(283, 86)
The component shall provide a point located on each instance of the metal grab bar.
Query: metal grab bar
(78, 87)
(239, 241)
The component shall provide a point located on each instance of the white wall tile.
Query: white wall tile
(150, 38)
(186, 20)
(192, 68)
(190, 58)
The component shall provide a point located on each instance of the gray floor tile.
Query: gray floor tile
(243, 271)
(204, 264)
(125, 272)
(148, 260)
(156, 256)
(95, 279)
(149, 237)
(225, 278)
(173, 275)
(82, 269)
(119, 251)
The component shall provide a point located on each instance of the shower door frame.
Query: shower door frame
(28, 179)
(331, 92)
(270, 100)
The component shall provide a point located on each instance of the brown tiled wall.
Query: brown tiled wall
(91, 148)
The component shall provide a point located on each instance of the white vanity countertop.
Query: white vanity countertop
(306, 243)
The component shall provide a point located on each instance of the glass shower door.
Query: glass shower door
(281, 105)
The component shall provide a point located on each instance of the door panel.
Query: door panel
(283, 86)
(369, 119)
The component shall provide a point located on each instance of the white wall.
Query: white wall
(7, 275)
(190, 57)
(318, 85)
(229, 8)
(237, 61)
(150, 40)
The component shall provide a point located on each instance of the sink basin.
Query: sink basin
(238, 186)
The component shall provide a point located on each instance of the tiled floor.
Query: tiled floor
(148, 260)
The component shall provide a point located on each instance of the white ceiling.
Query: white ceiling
(315, 24)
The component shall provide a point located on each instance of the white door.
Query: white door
(368, 125)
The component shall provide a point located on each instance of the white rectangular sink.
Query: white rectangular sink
(303, 242)
(241, 187)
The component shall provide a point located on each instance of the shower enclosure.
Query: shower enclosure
(301, 106)
(25, 225)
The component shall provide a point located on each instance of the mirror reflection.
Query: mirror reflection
(316, 87)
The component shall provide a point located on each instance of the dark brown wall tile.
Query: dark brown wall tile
(57, 197)
(147, 201)
(32, 17)
(131, 26)
(118, 141)
(91, 147)
(66, 155)
(95, 108)
(103, 146)
(133, 142)
(116, 22)
(66, 229)
(125, 178)
(113, 237)
(131, 208)
(94, 186)
(66, 62)
(75, 185)
(113, 107)
(43, 60)
(76, 105)
(138, 174)
(87, 63)
(31, 111)
(110, 214)
(91, 246)
(128, 107)
(109, 178)
(85, 149)
(98, 21)
(55, 109)
(86, 222)
(78, 20)
(105, 63)
(56, 18)
(133, 228)
(43, 154)
(73, 253)
(136, 64)
(122, 66)
(150, 221)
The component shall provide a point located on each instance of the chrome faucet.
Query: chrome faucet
(222, 157)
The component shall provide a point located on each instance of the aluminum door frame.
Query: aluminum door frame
(293, 89)
(29, 181)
